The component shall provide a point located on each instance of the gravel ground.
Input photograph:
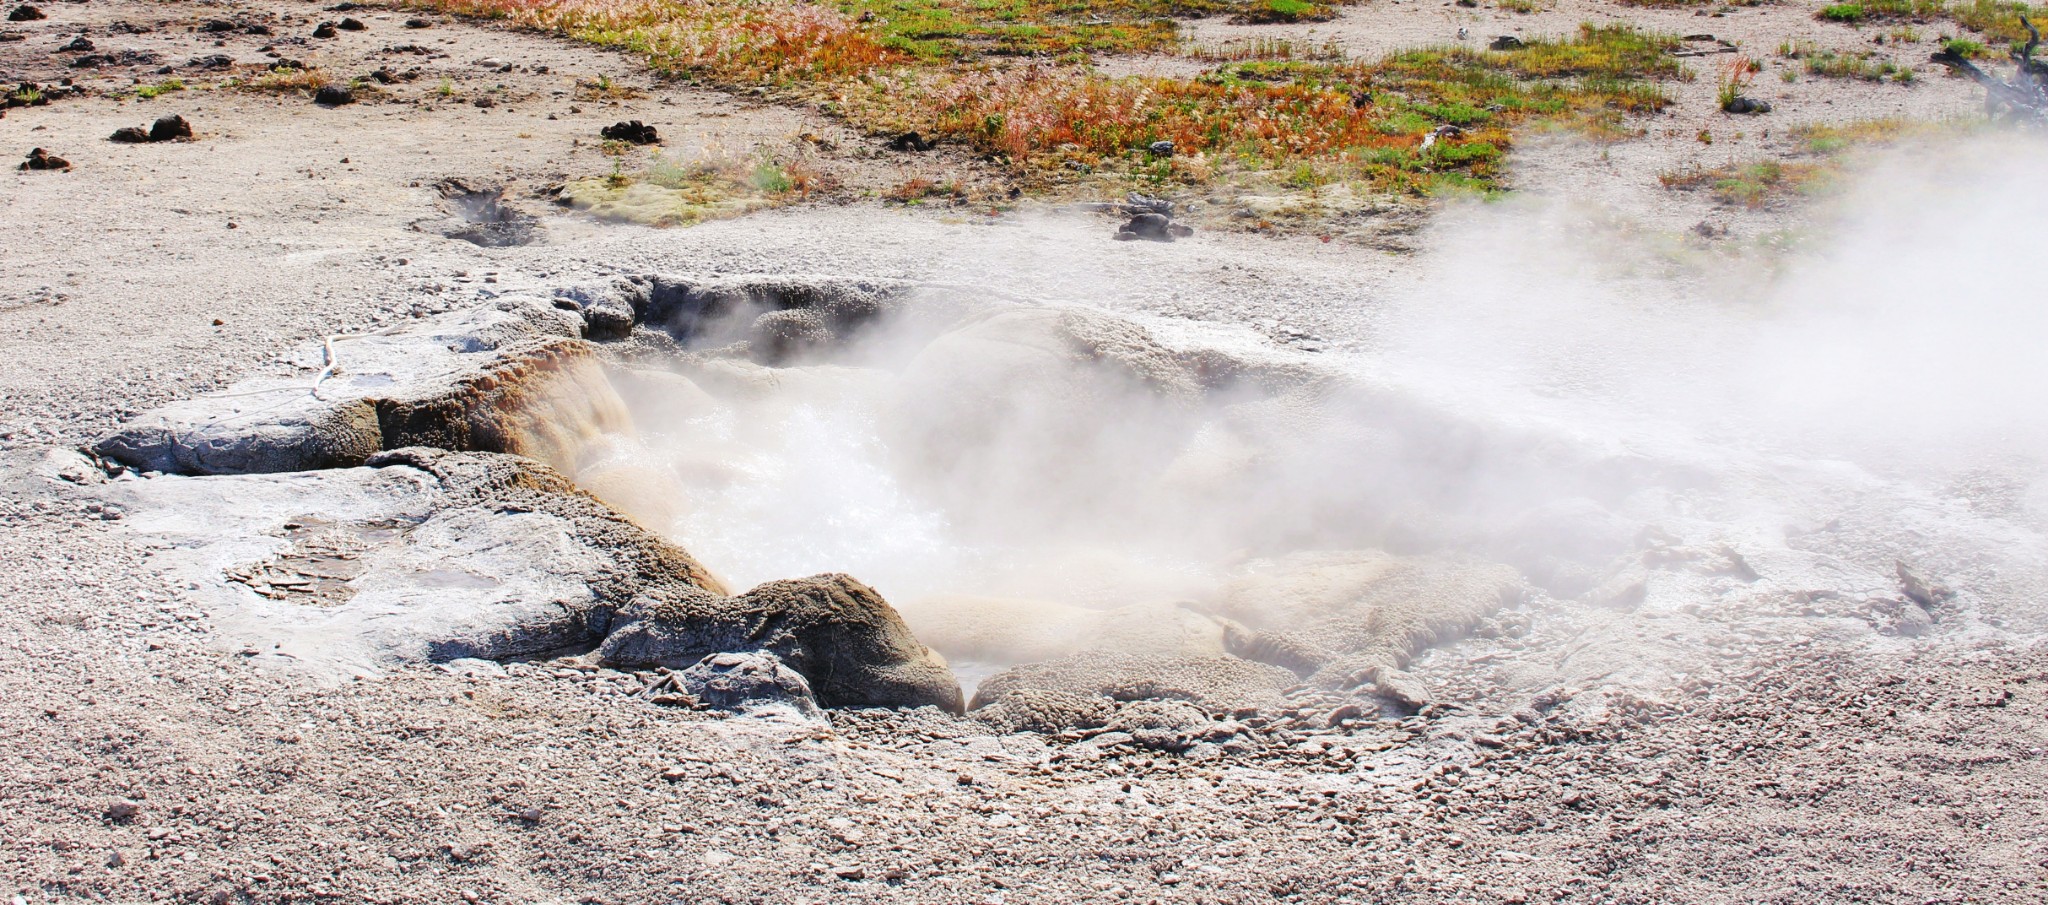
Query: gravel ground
(144, 759)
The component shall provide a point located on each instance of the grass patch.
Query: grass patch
(931, 66)
(1361, 122)
(284, 81)
(1967, 49)
(1997, 19)
(159, 89)
(1268, 12)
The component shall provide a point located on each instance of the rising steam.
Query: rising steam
(1537, 398)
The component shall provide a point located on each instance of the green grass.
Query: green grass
(1967, 49)
(1263, 12)
(159, 89)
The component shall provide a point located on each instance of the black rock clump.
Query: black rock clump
(910, 142)
(1152, 228)
(324, 30)
(1746, 105)
(25, 13)
(40, 159)
(170, 128)
(334, 96)
(80, 44)
(214, 61)
(351, 25)
(631, 131)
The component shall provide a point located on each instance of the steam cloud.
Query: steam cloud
(1536, 397)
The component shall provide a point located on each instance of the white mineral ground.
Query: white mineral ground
(1752, 710)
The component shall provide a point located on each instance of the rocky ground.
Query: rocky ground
(1783, 756)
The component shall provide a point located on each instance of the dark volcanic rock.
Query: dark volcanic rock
(1747, 105)
(130, 135)
(351, 25)
(334, 96)
(170, 128)
(25, 13)
(80, 44)
(633, 131)
(214, 61)
(838, 633)
(124, 58)
(1154, 228)
(324, 30)
(40, 159)
(910, 141)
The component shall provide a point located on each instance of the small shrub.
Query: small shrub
(1843, 12)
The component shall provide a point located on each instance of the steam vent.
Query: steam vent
(563, 452)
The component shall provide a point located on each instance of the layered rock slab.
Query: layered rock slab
(514, 379)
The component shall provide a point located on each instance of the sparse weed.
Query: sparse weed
(912, 190)
(1263, 48)
(1858, 65)
(1735, 76)
(604, 88)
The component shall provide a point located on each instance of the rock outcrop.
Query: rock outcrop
(514, 379)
